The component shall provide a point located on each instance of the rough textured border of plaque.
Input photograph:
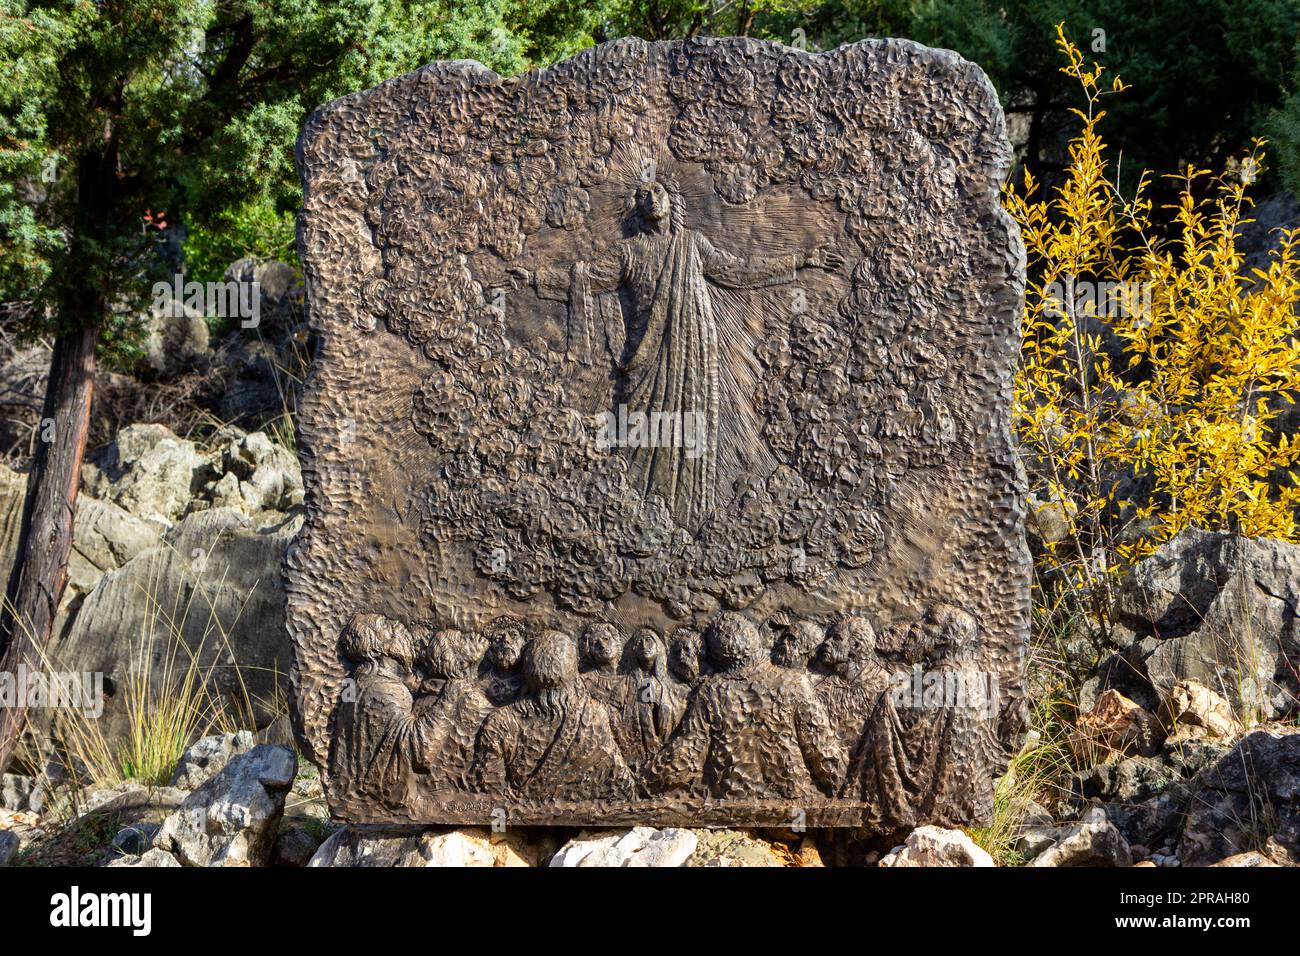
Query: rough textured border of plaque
(338, 155)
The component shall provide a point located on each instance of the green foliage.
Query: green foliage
(1208, 72)
(187, 110)
(1283, 131)
(675, 19)
(29, 52)
(255, 229)
(141, 113)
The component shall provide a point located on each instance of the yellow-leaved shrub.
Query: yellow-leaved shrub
(1155, 364)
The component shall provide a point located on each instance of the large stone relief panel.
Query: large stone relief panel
(657, 449)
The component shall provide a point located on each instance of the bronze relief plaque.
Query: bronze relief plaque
(657, 447)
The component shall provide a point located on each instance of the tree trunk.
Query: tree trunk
(41, 570)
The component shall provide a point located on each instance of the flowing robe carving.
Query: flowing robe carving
(919, 763)
(682, 356)
(379, 742)
(645, 713)
(752, 733)
(456, 711)
(561, 748)
(851, 699)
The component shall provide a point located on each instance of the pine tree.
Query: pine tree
(117, 116)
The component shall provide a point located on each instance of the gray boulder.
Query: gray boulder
(1049, 520)
(733, 848)
(1258, 239)
(1144, 797)
(255, 386)
(1035, 839)
(233, 818)
(214, 586)
(280, 290)
(9, 844)
(154, 857)
(207, 757)
(259, 475)
(1218, 609)
(104, 538)
(149, 472)
(370, 846)
(252, 360)
(21, 794)
(936, 846)
(1094, 841)
(294, 846)
(176, 337)
(1247, 800)
(638, 847)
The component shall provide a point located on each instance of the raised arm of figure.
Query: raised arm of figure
(603, 274)
(756, 272)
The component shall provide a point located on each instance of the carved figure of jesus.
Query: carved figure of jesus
(676, 353)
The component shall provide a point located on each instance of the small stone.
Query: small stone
(586, 843)
(207, 757)
(1115, 725)
(21, 793)
(369, 847)
(515, 848)
(1094, 841)
(936, 846)
(640, 846)
(1252, 858)
(807, 854)
(733, 848)
(457, 848)
(294, 846)
(665, 848)
(1035, 840)
(1192, 710)
(135, 838)
(259, 475)
(1052, 521)
(154, 857)
(9, 844)
(175, 337)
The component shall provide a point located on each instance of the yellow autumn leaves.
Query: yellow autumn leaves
(1155, 363)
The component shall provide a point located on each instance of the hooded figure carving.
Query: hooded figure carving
(933, 743)
(379, 743)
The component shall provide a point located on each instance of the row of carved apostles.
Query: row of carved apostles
(814, 715)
